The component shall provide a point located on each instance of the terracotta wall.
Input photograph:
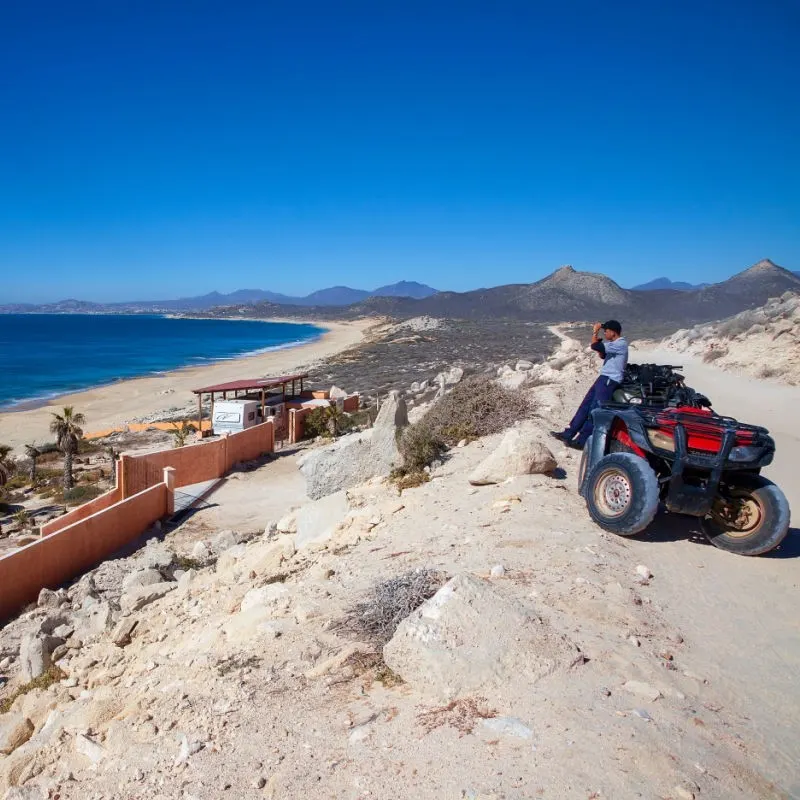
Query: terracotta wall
(250, 444)
(199, 462)
(81, 512)
(67, 553)
(352, 403)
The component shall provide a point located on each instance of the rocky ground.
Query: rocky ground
(397, 355)
(762, 342)
(557, 661)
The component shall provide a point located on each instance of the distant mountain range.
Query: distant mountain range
(568, 295)
(564, 295)
(666, 283)
(334, 296)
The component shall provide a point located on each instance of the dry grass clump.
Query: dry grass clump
(53, 674)
(476, 407)
(461, 714)
(375, 619)
(713, 354)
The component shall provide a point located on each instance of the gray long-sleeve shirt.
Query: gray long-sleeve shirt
(615, 358)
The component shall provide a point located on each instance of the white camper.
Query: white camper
(231, 416)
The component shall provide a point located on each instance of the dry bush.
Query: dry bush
(460, 714)
(53, 675)
(713, 355)
(403, 479)
(420, 447)
(375, 619)
(476, 407)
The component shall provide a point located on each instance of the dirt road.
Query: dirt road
(741, 613)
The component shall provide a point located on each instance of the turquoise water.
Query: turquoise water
(44, 355)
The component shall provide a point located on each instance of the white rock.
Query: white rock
(497, 571)
(201, 551)
(508, 726)
(288, 523)
(468, 638)
(15, 730)
(513, 380)
(521, 452)
(274, 596)
(337, 394)
(144, 595)
(141, 577)
(155, 555)
(642, 690)
(35, 655)
(223, 541)
(643, 572)
(86, 747)
(523, 365)
(317, 521)
(48, 599)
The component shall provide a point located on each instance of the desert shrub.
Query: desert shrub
(476, 407)
(420, 446)
(769, 372)
(714, 354)
(22, 518)
(81, 494)
(364, 417)
(18, 481)
(403, 479)
(387, 604)
(461, 714)
(44, 681)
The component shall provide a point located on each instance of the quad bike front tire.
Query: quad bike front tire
(622, 494)
(751, 517)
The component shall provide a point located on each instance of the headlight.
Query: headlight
(744, 453)
(661, 440)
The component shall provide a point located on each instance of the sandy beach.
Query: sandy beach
(116, 404)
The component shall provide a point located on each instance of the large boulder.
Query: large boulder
(521, 452)
(470, 638)
(141, 596)
(356, 458)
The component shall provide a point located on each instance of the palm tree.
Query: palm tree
(182, 432)
(33, 452)
(6, 464)
(67, 430)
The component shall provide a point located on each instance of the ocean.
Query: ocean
(44, 355)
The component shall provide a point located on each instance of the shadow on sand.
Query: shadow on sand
(674, 527)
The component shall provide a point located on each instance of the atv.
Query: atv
(659, 441)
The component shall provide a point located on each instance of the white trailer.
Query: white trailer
(230, 416)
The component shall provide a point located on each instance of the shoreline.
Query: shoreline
(115, 404)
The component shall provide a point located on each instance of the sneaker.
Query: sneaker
(560, 435)
(575, 445)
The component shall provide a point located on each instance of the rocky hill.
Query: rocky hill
(763, 342)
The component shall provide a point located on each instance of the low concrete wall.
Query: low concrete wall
(68, 552)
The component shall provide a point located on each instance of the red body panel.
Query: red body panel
(703, 432)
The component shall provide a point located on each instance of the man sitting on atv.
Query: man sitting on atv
(613, 349)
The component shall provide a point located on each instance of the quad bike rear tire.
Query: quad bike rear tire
(622, 494)
(762, 523)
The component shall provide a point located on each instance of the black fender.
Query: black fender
(603, 419)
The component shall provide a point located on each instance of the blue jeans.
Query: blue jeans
(581, 425)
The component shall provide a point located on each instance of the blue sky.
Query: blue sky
(159, 149)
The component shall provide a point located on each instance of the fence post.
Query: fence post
(122, 478)
(169, 482)
(226, 465)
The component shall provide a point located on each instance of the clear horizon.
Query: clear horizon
(167, 150)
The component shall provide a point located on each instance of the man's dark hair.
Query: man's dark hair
(613, 325)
